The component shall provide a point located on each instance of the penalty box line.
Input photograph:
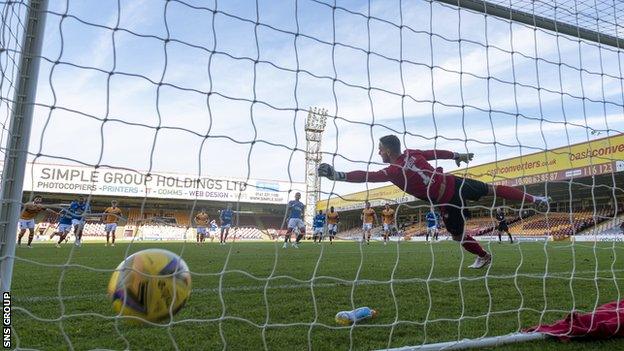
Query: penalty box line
(245, 288)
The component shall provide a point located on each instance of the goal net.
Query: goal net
(170, 107)
(13, 28)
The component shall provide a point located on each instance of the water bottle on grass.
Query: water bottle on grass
(355, 316)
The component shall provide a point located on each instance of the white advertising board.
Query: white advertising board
(49, 178)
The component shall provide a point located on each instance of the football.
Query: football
(152, 285)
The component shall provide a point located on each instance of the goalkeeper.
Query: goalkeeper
(410, 171)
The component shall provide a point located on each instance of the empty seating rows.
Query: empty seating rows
(609, 226)
(356, 233)
(415, 229)
(182, 218)
(474, 226)
(159, 231)
(559, 223)
(248, 233)
(94, 229)
(552, 223)
(166, 232)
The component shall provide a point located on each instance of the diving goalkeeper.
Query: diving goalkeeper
(410, 171)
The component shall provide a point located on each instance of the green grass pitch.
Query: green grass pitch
(255, 296)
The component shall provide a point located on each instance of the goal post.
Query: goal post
(493, 341)
(18, 135)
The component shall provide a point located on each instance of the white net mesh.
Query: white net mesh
(173, 106)
(13, 16)
(599, 16)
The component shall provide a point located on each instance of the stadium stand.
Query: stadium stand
(162, 232)
(560, 223)
(356, 233)
(249, 233)
(609, 226)
(134, 215)
(94, 229)
(175, 225)
(182, 218)
(474, 226)
(530, 224)
(415, 229)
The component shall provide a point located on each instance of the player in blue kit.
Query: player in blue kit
(318, 225)
(433, 223)
(295, 223)
(78, 209)
(226, 222)
(64, 226)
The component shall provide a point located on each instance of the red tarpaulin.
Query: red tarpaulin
(606, 321)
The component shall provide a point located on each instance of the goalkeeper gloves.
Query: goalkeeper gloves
(463, 157)
(326, 170)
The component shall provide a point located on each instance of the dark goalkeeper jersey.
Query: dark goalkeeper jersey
(500, 217)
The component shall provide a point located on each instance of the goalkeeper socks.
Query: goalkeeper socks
(472, 246)
(510, 193)
(30, 238)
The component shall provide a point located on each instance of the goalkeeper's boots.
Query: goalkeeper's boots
(481, 262)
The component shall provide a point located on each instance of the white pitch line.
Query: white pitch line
(559, 275)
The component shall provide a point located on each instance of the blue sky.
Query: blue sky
(422, 96)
